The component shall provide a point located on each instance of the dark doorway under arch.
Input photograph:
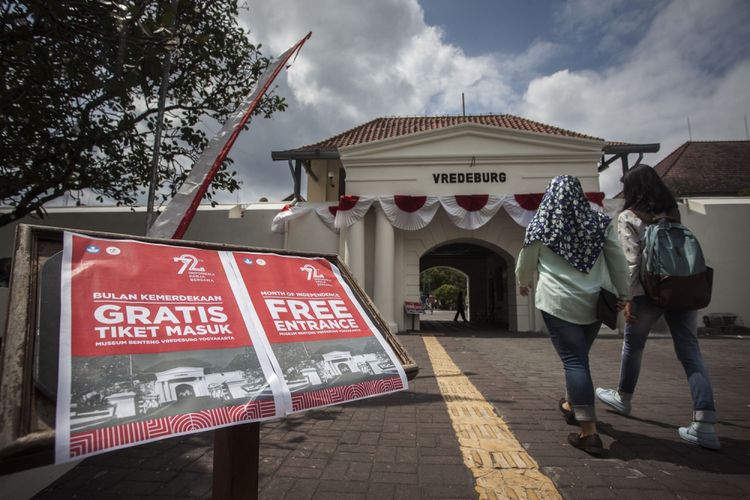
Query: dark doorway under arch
(490, 276)
(184, 391)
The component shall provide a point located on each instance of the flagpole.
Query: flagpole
(177, 215)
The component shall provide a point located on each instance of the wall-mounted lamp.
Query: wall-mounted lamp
(330, 179)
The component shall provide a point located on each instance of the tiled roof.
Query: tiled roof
(715, 168)
(390, 127)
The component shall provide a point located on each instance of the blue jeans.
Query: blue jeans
(573, 343)
(684, 330)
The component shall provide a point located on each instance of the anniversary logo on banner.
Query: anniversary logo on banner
(152, 345)
(323, 343)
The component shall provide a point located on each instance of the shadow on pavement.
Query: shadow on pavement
(627, 446)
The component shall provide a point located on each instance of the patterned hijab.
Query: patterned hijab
(566, 224)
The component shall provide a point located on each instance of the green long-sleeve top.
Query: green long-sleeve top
(567, 293)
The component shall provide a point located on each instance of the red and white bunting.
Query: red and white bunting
(287, 213)
(522, 207)
(518, 211)
(409, 213)
(351, 209)
(471, 211)
(327, 214)
(412, 213)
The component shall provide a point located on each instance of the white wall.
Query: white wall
(211, 224)
(308, 233)
(724, 235)
(406, 165)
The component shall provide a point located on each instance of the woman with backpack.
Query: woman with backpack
(647, 199)
(576, 253)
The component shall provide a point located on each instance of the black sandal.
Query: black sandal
(568, 415)
(591, 444)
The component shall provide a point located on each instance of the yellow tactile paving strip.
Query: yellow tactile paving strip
(500, 465)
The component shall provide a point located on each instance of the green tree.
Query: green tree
(79, 87)
(101, 375)
(446, 294)
(435, 277)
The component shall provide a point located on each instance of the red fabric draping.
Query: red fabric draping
(409, 204)
(597, 198)
(473, 211)
(529, 201)
(473, 202)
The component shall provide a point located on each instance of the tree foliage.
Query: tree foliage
(101, 375)
(447, 294)
(79, 88)
(435, 277)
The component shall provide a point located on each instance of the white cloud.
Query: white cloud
(693, 62)
(368, 59)
(364, 60)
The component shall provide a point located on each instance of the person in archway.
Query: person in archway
(460, 306)
(576, 252)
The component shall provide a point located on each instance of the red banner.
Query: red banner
(299, 299)
(164, 299)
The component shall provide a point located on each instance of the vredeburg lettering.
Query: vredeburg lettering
(468, 177)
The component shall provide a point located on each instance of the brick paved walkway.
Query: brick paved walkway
(403, 445)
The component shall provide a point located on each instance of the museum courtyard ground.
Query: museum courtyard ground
(479, 420)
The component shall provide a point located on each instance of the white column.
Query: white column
(354, 255)
(384, 267)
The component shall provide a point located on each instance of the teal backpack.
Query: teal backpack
(674, 272)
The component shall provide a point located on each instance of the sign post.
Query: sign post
(236, 460)
(414, 309)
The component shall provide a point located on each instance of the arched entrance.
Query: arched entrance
(184, 391)
(490, 274)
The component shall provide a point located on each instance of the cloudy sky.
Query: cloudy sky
(622, 70)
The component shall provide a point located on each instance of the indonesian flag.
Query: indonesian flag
(287, 213)
(177, 215)
(471, 211)
(351, 209)
(410, 213)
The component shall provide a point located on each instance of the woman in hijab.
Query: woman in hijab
(576, 252)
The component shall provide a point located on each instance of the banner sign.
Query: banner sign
(320, 338)
(161, 340)
(413, 308)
